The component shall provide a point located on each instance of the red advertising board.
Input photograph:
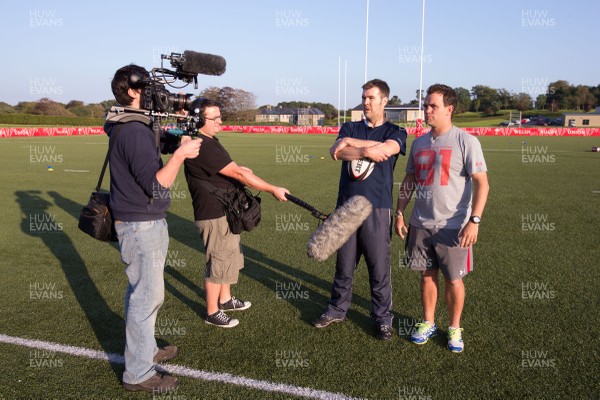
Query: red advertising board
(314, 130)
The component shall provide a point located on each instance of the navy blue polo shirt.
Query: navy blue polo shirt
(378, 186)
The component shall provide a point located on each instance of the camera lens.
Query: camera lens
(180, 101)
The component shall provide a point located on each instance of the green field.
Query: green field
(531, 321)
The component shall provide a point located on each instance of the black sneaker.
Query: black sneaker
(221, 319)
(325, 320)
(234, 304)
(384, 332)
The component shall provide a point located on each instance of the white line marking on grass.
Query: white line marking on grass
(76, 170)
(179, 370)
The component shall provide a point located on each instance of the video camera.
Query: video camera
(161, 104)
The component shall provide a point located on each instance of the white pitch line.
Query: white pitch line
(180, 370)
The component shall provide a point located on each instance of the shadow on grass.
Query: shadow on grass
(108, 326)
(270, 273)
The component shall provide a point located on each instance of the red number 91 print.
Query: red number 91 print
(425, 160)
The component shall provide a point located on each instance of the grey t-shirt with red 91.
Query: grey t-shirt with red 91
(443, 167)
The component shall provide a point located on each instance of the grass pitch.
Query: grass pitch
(531, 321)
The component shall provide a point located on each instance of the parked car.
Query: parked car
(510, 123)
(556, 122)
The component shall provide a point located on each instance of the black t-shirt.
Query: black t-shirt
(212, 159)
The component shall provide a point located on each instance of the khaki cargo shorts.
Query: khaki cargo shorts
(224, 257)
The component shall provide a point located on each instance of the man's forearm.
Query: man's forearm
(248, 178)
(481, 188)
(407, 187)
(168, 173)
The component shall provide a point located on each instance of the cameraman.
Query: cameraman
(139, 199)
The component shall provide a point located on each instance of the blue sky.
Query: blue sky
(290, 50)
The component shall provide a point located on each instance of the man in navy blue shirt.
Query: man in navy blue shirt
(139, 189)
(380, 141)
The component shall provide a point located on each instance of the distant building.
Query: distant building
(582, 119)
(401, 113)
(294, 116)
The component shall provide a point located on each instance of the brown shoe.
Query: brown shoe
(160, 383)
(165, 354)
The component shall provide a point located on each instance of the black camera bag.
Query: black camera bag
(96, 219)
(242, 208)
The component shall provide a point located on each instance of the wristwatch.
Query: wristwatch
(475, 219)
(398, 214)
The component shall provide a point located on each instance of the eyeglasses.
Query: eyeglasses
(214, 119)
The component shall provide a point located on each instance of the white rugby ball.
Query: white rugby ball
(360, 169)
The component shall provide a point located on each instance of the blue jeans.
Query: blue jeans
(144, 248)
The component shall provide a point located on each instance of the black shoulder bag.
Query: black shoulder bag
(242, 208)
(95, 218)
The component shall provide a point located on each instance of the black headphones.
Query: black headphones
(198, 112)
(135, 80)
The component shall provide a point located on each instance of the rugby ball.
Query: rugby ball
(360, 169)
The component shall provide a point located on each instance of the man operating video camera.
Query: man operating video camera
(139, 201)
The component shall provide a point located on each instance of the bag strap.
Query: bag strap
(110, 146)
(212, 190)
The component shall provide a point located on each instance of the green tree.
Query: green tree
(464, 100)
(25, 107)
(47, 106)
(504, 97)
(488, 98)
(234, 103)
(521, 101)
(394, 101)
(540, 101)
(559, 95)
(6, 108)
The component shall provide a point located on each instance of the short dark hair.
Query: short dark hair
(448, 94)
(128, 77)
(379, 84)
(202, 104)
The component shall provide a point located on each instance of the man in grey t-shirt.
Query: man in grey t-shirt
(447, 173)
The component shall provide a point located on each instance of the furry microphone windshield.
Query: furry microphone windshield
(337, 227)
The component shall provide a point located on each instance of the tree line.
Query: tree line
(238, 105)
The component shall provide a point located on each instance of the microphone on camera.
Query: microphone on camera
(202, 63)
